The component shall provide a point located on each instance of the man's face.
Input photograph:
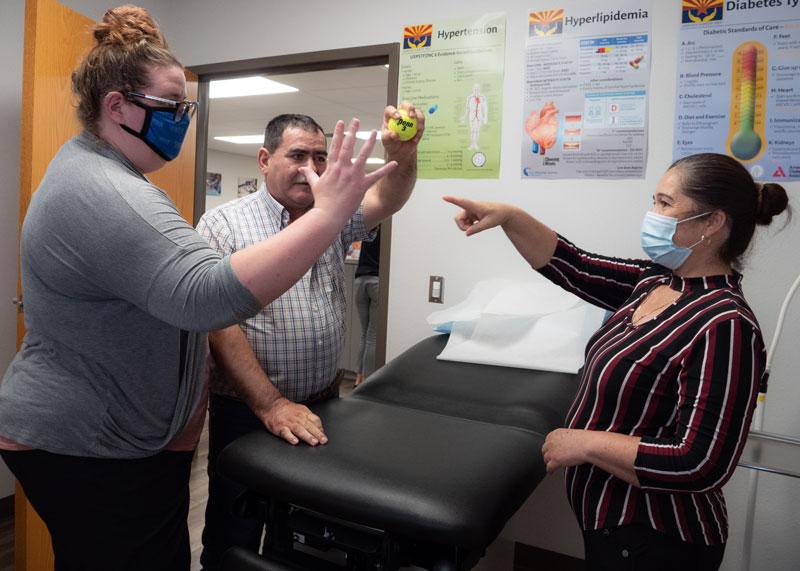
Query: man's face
(285, 182)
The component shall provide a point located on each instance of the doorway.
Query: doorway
(331, 85)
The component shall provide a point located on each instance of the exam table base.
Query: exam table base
(298, 538)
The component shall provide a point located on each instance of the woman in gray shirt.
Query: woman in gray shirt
(97, 408)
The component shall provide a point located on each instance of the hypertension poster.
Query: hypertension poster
(454, 72)
(587, 72)
(738, 84)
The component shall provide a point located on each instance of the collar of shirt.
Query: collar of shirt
(106, 149)
(688, 285)
(274, 207)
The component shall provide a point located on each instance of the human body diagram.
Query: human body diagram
(476, 112)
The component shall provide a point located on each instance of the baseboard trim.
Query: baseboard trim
(529, 558)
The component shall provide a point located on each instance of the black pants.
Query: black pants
(641, 548)
(110, 514)
(228, 420)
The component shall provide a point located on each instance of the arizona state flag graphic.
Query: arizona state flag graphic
(701, 11)
(546, 23)
(417, 36)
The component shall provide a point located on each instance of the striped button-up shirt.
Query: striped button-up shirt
(685, 382)
(299, 337)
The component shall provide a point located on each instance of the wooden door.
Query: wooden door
(55, 40)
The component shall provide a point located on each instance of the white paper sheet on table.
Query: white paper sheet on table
(532, 325)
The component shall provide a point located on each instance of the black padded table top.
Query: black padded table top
(438, 451)
(424, 475)
(531, 399)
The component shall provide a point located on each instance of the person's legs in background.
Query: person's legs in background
(366, 301)
(368, 363)
(228, 420)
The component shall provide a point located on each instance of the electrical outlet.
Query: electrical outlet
(436, 289)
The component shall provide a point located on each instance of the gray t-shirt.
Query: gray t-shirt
(119, 293)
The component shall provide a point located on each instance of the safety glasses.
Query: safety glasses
(181, 108)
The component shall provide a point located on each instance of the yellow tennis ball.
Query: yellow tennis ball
(405, 126)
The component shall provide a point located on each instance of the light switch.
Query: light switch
(436, 289)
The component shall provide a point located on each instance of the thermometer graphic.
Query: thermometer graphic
(748, 89)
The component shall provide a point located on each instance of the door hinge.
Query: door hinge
(18, 302)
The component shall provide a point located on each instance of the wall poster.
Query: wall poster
(453, 71)
(587, 72)
(738, 84)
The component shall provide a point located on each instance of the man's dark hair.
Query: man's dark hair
(273, 135)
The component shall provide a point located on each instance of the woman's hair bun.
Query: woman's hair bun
(127, 26)
(772, 201)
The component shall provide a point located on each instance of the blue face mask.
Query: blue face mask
(656, 235)
(160, 131)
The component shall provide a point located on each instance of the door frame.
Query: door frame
(379, 54)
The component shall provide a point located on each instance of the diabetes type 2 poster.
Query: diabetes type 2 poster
(738, 84)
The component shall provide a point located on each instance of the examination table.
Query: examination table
(425, 463)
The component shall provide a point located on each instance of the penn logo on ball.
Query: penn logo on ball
(405, 126)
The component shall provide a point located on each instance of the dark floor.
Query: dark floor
(7, 534)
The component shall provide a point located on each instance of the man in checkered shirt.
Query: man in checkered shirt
(268, 368)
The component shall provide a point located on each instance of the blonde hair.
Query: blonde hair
(129, 45)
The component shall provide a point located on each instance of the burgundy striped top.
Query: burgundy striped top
(685, 382)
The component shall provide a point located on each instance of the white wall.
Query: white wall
(231, 167)
(94, 9)
(603, 216)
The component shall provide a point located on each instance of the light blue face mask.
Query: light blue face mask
(656, 235)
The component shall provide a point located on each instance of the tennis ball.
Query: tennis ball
(405, 126)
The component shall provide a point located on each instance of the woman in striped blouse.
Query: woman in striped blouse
(669, 382)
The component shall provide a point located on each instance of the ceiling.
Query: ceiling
(327, 96)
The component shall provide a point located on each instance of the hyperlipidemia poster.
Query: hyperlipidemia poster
(738, 84)
(587, 72)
